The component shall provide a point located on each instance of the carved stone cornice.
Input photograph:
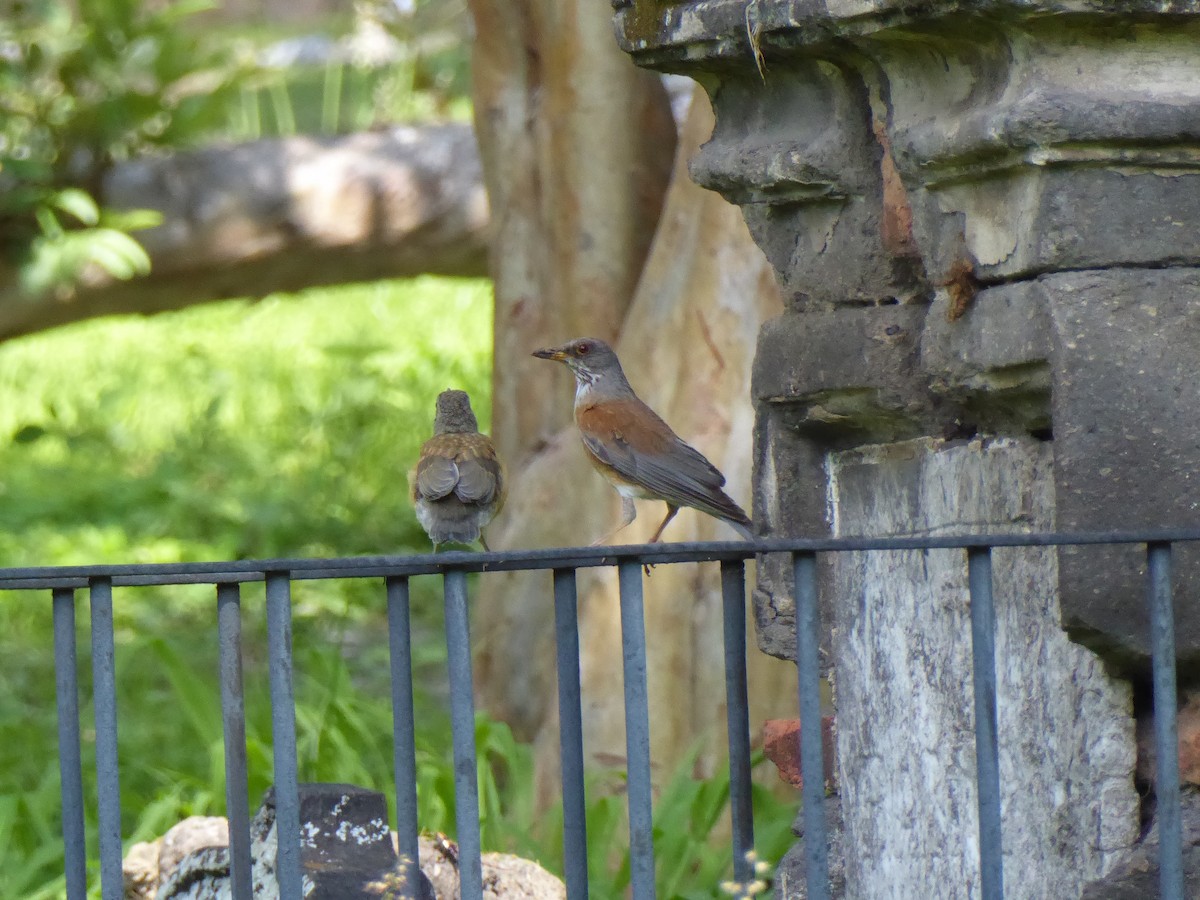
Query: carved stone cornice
(680, 36)
(1003, 97)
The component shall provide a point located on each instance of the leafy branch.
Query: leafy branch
(83, 86)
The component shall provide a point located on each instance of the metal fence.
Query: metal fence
(99, 581)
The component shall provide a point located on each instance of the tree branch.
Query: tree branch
(283, 214)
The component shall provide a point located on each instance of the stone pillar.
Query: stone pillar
(985, 219)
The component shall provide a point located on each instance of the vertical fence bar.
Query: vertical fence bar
(108, 786)
(70, 766)
(233, 721)
(462, 724)
(812, 763)
(570, 734)
(637, 732)
(987, 754)
(283, 734)
(737, 709)
(1166, 728)
(403, 731)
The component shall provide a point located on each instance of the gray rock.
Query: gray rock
(192, 834)
(171, 865)
(505, 877)
(201, 875)
(993, 360)
(791, 875)
(1126, 453)
(345, 843)
(1136, 876)
(346, 851)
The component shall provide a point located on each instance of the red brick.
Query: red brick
(781, 744)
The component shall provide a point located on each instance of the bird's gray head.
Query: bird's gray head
(590, 359)
(454, 415)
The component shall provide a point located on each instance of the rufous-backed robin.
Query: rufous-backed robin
(633, 448)
(458, 483)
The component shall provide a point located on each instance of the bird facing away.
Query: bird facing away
(633, 448)
(458, 483)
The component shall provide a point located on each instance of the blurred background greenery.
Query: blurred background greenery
(87, 83)
(276, 428)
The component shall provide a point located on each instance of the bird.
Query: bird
(633, 448)
(458, 483)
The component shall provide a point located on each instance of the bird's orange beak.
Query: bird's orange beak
(555, 353)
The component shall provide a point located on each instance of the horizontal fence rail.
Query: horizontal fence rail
(557, 558)
(562, 563)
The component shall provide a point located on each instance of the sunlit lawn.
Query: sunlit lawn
(279, 428)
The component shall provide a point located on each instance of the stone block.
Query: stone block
(992, 360)
(1126, 451)
(345, 842)
(799, 154)
(846, 375)
(1136, 876)
(825, 378)
(1020, 224)
(901, 634)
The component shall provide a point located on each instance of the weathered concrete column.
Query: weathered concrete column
(984, 216)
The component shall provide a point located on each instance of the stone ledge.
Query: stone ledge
(675, 36)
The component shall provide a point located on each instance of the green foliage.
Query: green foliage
(691, 834)
(235, 430)
(59, 255)
(81, 86)
(85, 84)
(340, 97)
(278, 428)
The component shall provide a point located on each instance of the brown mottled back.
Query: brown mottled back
(458, 484)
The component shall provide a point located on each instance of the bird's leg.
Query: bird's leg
(483, 543)
(671, 510)
(628, 514)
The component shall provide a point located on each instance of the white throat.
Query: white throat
(583, 390)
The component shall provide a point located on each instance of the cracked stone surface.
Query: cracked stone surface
(983, 214)
(906, 740)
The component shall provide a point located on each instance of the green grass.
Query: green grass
(283, 427)
(279, 428)
(339, 98)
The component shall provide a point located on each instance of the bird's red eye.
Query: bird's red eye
(581, 349)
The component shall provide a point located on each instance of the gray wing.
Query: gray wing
(477, 481)
(436, 477)
(681, 476)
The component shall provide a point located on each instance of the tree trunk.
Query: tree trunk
(687, 342)
(577, 146)
(278, 215)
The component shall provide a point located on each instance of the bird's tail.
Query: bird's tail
(722, 506)
(452, 521)
(745, 530)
